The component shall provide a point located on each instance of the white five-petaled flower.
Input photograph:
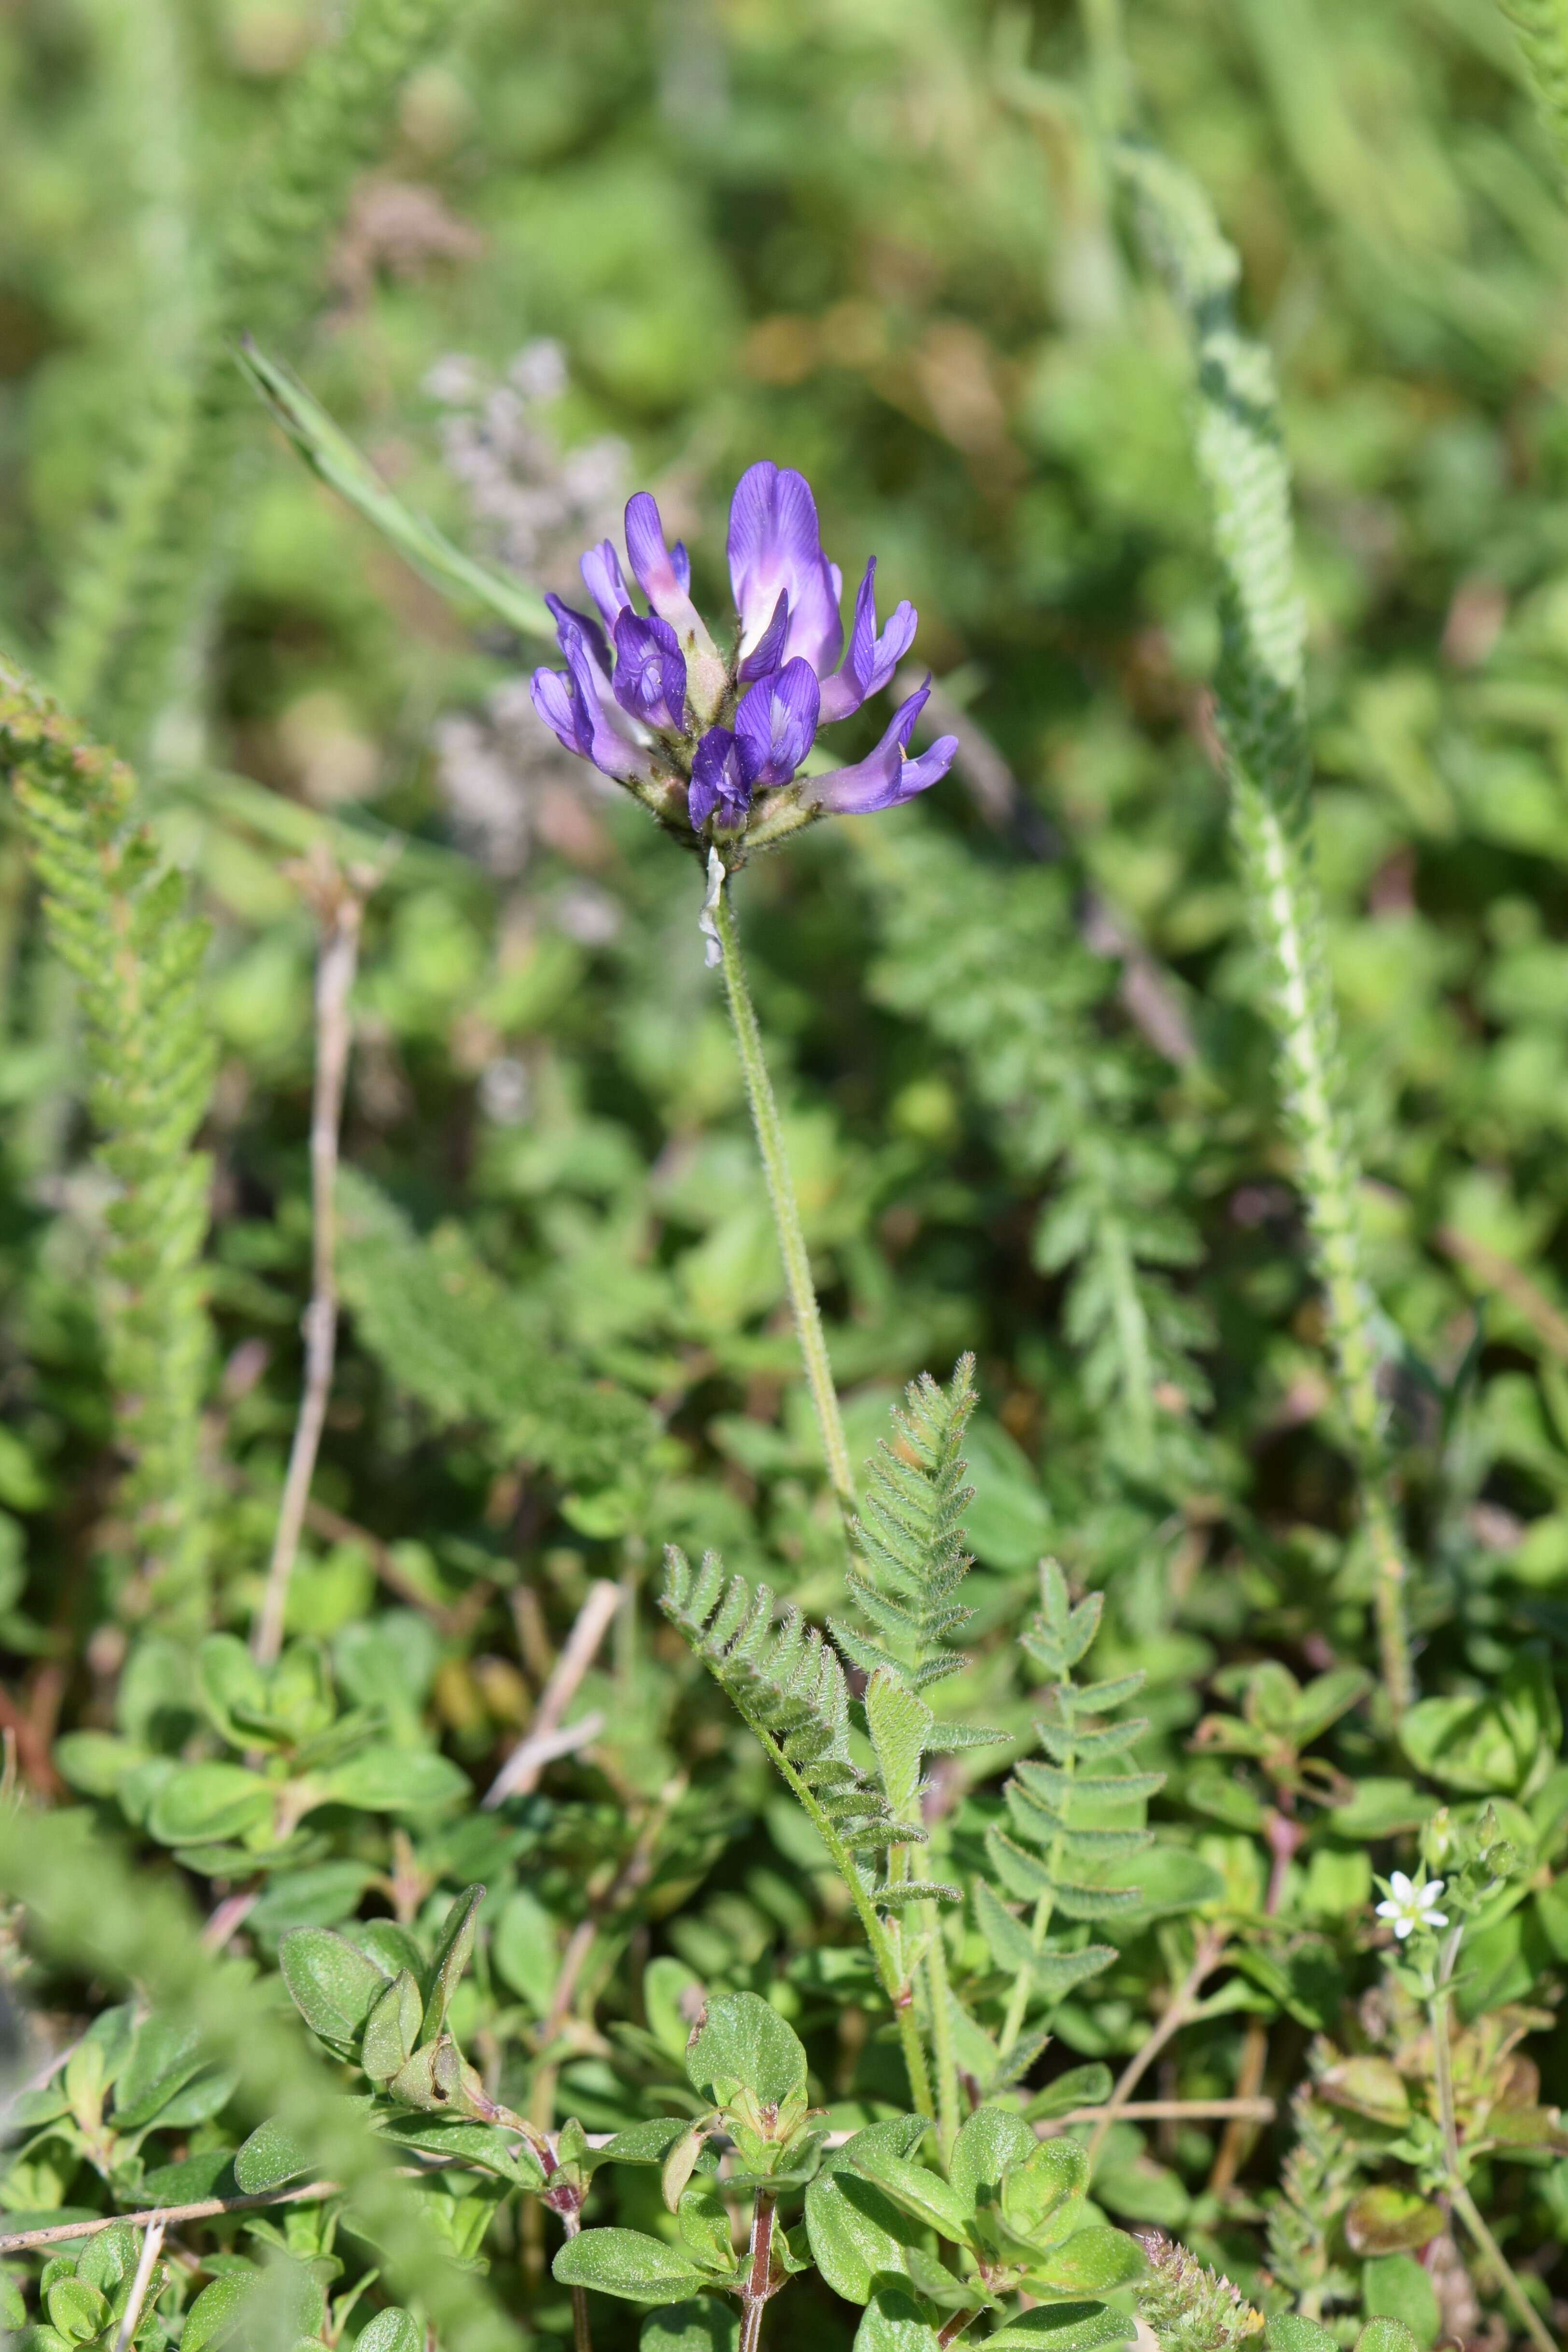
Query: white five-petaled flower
(1409, 1905)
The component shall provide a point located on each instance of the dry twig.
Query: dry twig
(518, 1776)
(340, 903)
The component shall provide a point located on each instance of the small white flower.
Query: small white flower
(1409, 1905)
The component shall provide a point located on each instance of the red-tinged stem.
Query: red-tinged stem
(759, 2272)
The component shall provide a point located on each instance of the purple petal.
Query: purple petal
(769, 651)
(605, 582)
(776, 723)
(720, 783)
(651, 564)
(557, 705)
(870, 659)
(663, 581)
(885, 777)
(650, 673)
(681, 564)
(774, 545)
(599, 739)
(566, 617)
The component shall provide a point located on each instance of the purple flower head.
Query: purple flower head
(870, 659)
(720, 786)
(887, 775)
(647, 697)
(650, 672)
(776, 723)
(775, 549)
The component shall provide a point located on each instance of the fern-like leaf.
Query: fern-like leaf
(910, 1539)
(120, 921)
(786, 1682)
(1261, 692)
(143, 566)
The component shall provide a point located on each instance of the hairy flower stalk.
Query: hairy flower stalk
(715, 745)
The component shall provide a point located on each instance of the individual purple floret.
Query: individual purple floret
(716, 746)
(887, 775)
(650, 681)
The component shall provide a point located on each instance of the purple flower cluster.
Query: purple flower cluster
(715, 746)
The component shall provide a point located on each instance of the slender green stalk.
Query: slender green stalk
(1464, 2203)
(886, 1952)
(786, 1211)
(1262, 711)
(942, 2050)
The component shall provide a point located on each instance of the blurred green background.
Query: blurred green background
(643, 244)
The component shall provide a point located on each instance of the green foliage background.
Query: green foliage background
(1018, 1028)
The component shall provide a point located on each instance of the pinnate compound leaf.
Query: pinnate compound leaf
(331, 1983)
(628, 2263)
(744, 2042)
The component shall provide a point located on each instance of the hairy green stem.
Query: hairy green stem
(1289, 917)
(942, 2051)
(1260, 688)
(884, 1952)
(1464, 2203)
(786, 1210)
